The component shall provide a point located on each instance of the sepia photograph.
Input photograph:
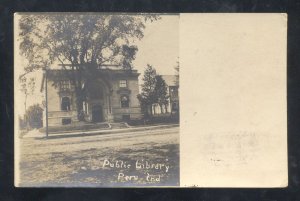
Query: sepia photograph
(149, 100)
(96, 99)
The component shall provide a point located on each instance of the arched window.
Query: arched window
(65, 104)
(124, 101)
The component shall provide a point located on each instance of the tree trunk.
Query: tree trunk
(79, 106)
(77, 76)
(151, 112)
(25, 116)
(161, 109)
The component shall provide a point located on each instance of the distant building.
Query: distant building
(112, 97)
(173, 100)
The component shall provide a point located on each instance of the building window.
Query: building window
(126, 117)
(64, 85)
(65, 104)
(66, 121)
(124, 101)
(123, 84)
(174, 107)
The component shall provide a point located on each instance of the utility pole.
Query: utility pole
(46, 96)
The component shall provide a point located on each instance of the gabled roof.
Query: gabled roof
(170, 80)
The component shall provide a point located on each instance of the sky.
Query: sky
(159, 47)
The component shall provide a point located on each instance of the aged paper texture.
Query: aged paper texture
(96, 100)
(233, 100)
(96, 107)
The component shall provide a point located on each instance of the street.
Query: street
(137, 158)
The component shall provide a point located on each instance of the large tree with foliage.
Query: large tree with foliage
(81, 43)
(148, 94)
(27, 87)
(161, 92)
(154, 90)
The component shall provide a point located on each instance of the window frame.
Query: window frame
(65, 85)
(123, 83)
(128, 101)
(66, 121)
(126, 117)
(61, 104)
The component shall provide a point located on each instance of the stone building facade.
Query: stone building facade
(111, 96)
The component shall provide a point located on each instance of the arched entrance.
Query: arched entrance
(98, 100)
(97, 114)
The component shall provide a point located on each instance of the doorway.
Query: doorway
(97, 114)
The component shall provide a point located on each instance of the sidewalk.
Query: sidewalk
(97, 132)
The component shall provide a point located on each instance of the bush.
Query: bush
(34, 116)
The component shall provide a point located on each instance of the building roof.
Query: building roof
(115, 72)
(170, 80)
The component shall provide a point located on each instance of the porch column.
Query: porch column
(46, 97)
(109, 109)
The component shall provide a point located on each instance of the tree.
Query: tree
(154, 90)
(144, 105)
(148, 95)
(177, 73)
(161, 92)
(34, 116)
(22, 123)
(27, 87)
(81, 43)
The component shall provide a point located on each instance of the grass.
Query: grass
(85, 126)
(155, 120)
(76, 126)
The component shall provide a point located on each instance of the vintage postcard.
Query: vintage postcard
(96, 101)
(150, 100)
